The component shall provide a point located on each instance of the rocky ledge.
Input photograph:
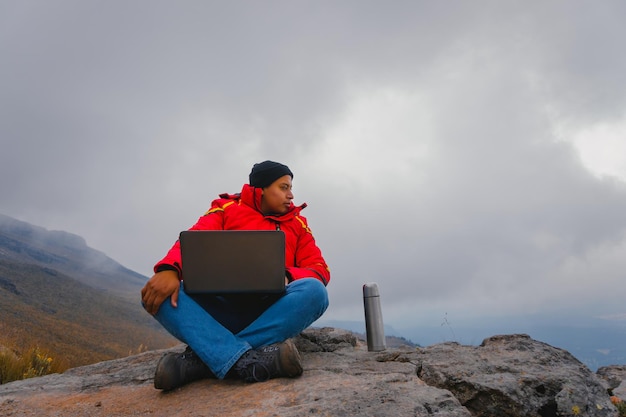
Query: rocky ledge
(510, 375)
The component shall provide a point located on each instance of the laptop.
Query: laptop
(233, 261)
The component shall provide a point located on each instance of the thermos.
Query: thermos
(373, 318)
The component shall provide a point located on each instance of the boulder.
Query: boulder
(514, 375)
(615, 377)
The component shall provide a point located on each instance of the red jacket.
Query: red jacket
(303, 259)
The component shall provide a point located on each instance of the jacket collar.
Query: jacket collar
(251, 196)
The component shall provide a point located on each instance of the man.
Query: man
(244, 337)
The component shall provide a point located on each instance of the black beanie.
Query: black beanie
(265, 173)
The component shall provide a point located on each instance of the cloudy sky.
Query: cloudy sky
(469, 157)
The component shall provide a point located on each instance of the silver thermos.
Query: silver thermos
(373, 318)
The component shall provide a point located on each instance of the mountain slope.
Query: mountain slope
(75, 302)
(67, 253)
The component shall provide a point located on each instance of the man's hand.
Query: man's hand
(162, 285)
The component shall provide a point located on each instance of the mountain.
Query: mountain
(69, 299)
(67, 253)
(595, 341)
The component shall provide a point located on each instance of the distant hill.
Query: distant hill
(596, 342)
(70, 299)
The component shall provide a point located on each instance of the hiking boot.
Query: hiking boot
(177, 369)
(273, 361)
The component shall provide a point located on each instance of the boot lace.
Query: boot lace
(255, 367)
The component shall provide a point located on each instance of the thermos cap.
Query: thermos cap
(370, 290)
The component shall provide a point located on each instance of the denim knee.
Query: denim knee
(316, 293)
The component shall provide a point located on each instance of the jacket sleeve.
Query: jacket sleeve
(309, 261)
(213, 219)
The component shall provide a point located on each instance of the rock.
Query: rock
(515, 375)
(620, 391)
(615, 377)
(326, 339)
(505, 376)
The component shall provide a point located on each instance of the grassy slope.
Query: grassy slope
(72, 321)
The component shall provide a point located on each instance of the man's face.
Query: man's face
(277, 196)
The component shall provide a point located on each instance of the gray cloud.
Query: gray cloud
(422, 135)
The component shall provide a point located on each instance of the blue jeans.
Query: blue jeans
(303, 302)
